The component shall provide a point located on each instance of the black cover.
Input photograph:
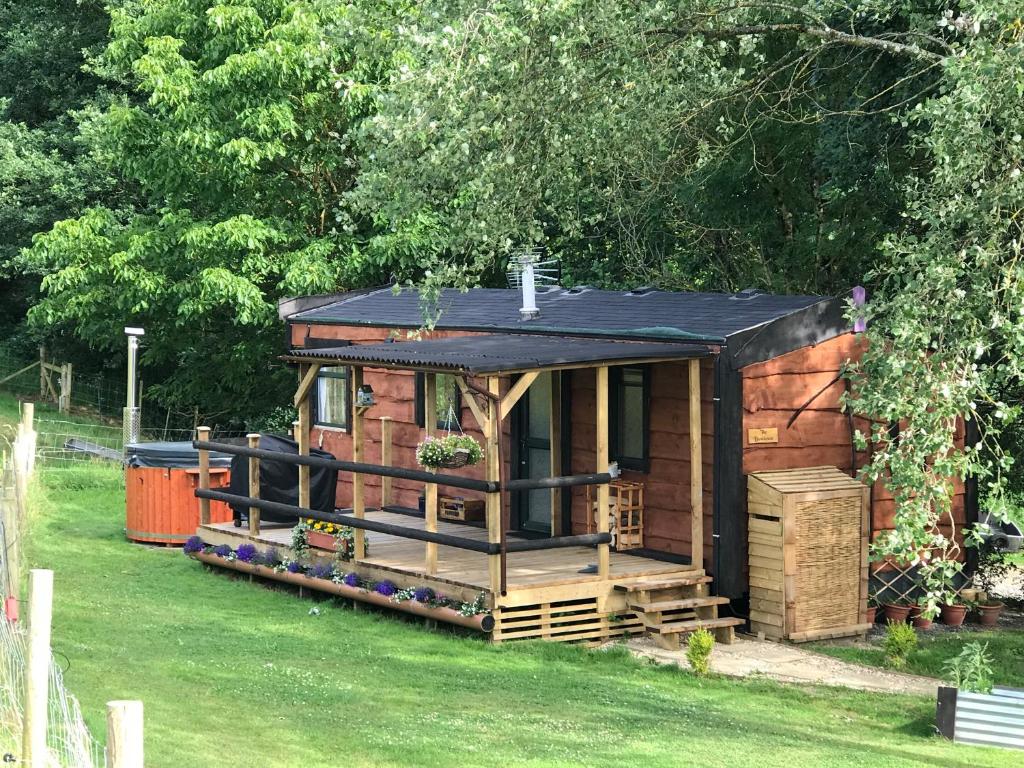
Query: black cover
(171, 455)
(280, 482)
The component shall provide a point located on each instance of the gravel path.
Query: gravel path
(748, 657)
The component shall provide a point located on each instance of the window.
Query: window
(629, 419)
(332, 406)
(449, 401)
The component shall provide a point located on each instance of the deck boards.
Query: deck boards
(525, 569)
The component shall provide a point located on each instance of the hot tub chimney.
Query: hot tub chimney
(529, 309)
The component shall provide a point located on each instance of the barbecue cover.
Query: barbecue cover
(280, 482)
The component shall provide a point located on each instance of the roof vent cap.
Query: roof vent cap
(747, 294)
(578, 289)
(643, 290)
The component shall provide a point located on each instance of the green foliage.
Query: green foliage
(242, 142)
(971, 669)
(699, 645)
(900, 642)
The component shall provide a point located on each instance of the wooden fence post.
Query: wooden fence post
(37, 668)
(12, 526)
(203, 434)
(386, 437)
(254, 485)
(124, 734)
(42, 372)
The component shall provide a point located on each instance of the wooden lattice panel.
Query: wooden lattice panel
(807, 552)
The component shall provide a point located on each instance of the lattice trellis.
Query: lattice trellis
(893, 582)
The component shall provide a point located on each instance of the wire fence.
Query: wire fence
(68, 741)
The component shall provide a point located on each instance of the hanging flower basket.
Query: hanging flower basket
(449, 452)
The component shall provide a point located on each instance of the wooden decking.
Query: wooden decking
(549, 593)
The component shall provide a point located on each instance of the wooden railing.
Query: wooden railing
(495, 548)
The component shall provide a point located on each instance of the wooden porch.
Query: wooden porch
(550, 594)
(558, 587)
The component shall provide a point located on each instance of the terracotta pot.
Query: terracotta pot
(919, 621)
(895, 614)
(988, 615)
(872, 614)
(953, 615)
(322, 540)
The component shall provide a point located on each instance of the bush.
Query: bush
(900, 641)
(698, 651)
(971, 670)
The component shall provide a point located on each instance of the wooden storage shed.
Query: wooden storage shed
(808, 554)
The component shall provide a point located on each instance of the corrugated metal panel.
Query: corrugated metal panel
(994, 720)
(495, 353)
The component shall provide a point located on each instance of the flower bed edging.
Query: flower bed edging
(482, 622)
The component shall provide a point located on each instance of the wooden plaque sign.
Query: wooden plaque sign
(763, 436)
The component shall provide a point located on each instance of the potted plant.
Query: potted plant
(896, 612)
(953, 612)
(988, 612)
(872, 613)
(450, 452)
(917, 617)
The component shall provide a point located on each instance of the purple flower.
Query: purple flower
(294, 566)
(193, 545)
(385, 588)
(320, 571)
(423, 595)
(351, 580)
(246, 553)
(269, 557)
(222, 550)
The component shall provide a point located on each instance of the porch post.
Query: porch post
(303, 438)
(494, 475)
(555, 438)
(203, 434)
(603, 495)
(358, 498)
(430, 491)
(386, 432)
(254, 485)
(696, 471)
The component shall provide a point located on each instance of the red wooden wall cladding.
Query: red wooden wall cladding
(773, 391)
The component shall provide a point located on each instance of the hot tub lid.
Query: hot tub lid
(170, 454)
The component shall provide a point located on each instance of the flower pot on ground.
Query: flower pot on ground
(988, 613)
(918, 619)
(895, 613)
(872, 614)
(952, 614)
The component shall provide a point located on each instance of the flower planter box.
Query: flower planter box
(989, 719)
(322, 540)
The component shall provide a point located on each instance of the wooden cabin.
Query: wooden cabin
(685, 393)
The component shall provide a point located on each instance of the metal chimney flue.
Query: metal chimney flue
(529, 309)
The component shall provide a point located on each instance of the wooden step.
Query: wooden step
(653, 586)
(676, 627)
(671, 605)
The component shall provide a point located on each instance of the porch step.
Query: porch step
(677, 627)
(654, 586)
(672, 605)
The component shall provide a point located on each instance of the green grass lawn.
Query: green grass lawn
(1006, 648)
(235, 674)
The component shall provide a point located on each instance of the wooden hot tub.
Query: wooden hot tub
(160, 480)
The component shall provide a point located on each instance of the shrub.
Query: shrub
(900, 641)
(698, 651)
(971, 669)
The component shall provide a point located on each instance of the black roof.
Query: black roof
(501, 353)
(650, 314)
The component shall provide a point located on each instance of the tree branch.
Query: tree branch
(823, 32)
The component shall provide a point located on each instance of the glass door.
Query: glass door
(531, 425)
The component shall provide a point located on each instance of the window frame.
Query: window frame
(616, 387)
(345, 374)
(420, 402)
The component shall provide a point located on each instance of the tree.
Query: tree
(241, 136)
